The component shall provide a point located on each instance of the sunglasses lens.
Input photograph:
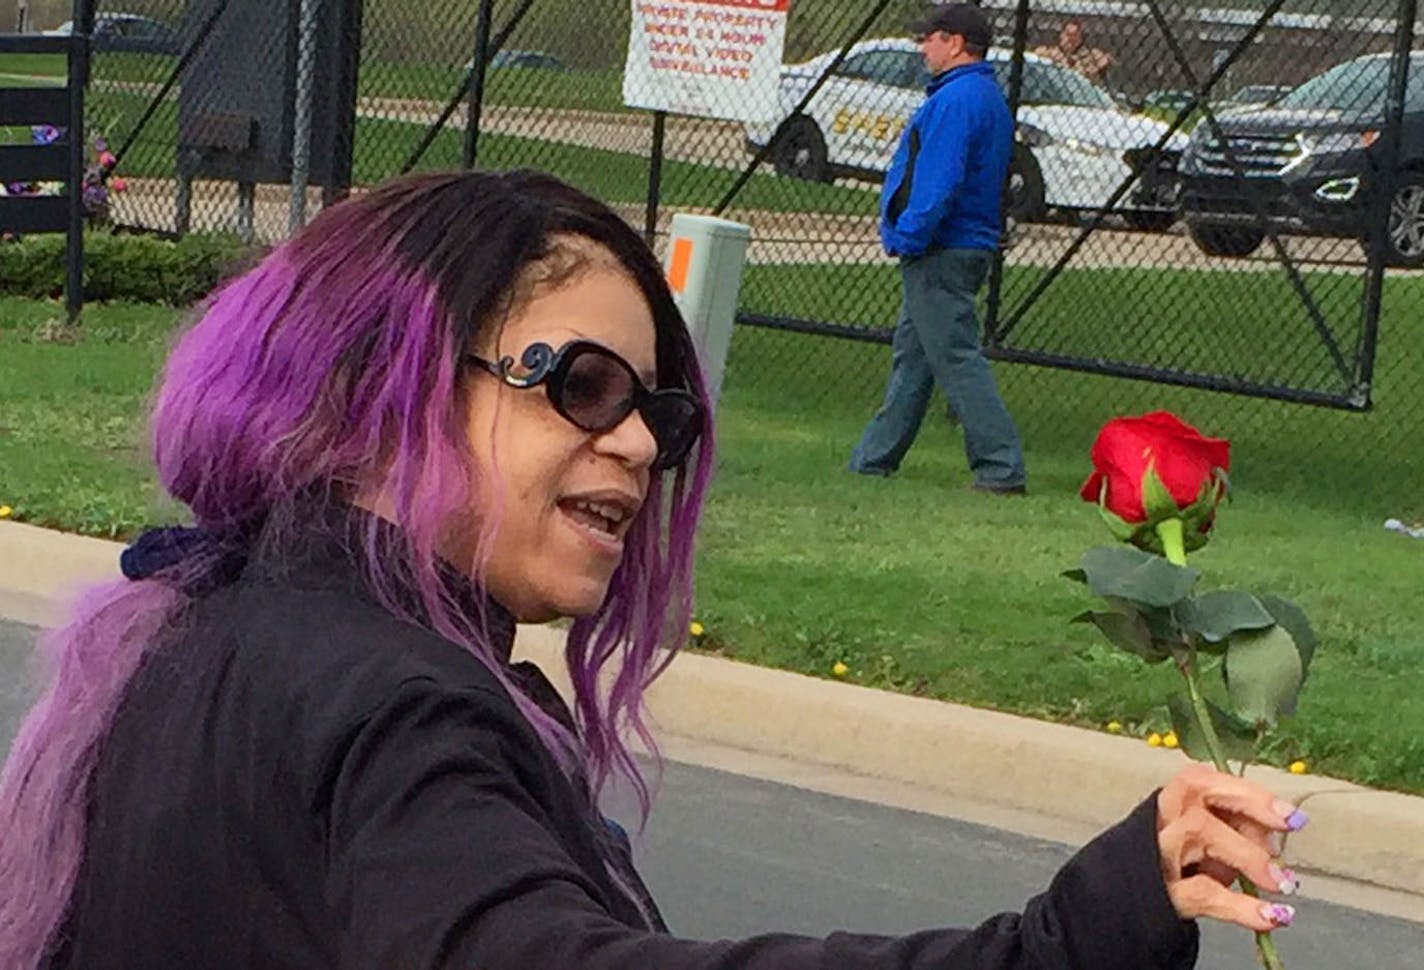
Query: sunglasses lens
(675, 419)
(597, 391)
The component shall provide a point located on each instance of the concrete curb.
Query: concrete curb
(1078, 776)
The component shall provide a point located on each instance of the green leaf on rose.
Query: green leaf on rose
(1216, 615)
(1139, 577)
(1263, 672)
(1128, 631)
(1293, 618)
(1238, 740)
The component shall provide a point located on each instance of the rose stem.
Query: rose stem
(1174, 547)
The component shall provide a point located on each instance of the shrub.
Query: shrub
(141, 269)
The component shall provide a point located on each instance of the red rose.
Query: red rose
(1189, 465)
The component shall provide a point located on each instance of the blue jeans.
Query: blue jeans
(937, 341)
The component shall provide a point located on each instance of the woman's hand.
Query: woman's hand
(1210, 828)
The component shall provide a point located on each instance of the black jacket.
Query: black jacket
(303, 781)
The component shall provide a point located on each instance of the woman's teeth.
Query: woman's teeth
(601, 517)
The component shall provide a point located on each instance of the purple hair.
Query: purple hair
(338, 354)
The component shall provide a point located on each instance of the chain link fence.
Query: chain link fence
(1205, 197)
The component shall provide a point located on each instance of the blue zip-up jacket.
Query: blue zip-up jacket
(945, 182)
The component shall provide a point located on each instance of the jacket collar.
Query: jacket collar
(333, 548)
(963, 70)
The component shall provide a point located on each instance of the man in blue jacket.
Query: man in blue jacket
(939, 213)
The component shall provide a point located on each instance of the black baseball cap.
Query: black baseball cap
(964, 19)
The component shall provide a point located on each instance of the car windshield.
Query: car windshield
(1358, 85)
(1078, 90)
(1050, 84)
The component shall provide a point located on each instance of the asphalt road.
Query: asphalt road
(728, 856)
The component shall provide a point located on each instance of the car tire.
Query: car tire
(1404, 232)
(1150, 220)
(801, 152)
(1233, 241)
(1024, 195)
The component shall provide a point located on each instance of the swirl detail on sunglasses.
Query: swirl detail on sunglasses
(595, 389)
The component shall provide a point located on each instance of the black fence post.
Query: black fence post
(78, 158)
(655, 176)
(996, 271)
(438, 125)
(477, 84)
(1381, 201)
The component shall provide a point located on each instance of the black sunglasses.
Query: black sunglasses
(595, 389)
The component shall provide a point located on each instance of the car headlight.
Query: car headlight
(1337, 141)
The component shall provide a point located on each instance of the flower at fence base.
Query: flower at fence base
(1298, 767)
(1156, 467)
(696, 629)
(1154, 740)
(1169, 740)
(1114, 727)
(6, 511)
(107, 159)
(119, 184)
(840, 669)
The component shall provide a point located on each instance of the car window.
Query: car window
(1358, 85)
(1061, 85)
(1037, 85)
(890, 68)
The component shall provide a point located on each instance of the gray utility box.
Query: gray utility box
(237, 105)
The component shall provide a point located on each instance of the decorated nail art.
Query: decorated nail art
(1279, 913)
(1284, 879)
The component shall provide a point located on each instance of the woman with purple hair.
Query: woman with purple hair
(293, 737)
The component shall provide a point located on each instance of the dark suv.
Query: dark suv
(1311, 161)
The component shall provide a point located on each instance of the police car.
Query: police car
(1074, 144)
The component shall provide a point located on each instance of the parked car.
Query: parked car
(1257, 94)
(128, 32)
(1310, 162)
(1074, 144)
(1170, 100)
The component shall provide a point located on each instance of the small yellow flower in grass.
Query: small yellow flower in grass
(1114, 727)
(1169, 740)
(840, 669)
(1154, 740)
(6, 511)
(696, 629)
(1298, 767)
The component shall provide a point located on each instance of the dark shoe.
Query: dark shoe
(872, 472)
(999, 490)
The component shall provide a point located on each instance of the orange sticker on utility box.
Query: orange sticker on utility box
(680, 264)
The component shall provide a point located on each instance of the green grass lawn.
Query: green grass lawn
(576, 89)
(382, 148)
(914, 584)
(1249, 325)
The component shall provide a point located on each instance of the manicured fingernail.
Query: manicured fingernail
(1279, 913)
(1294, 817)
(1284, 880)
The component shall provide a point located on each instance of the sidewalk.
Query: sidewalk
(924, 753)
